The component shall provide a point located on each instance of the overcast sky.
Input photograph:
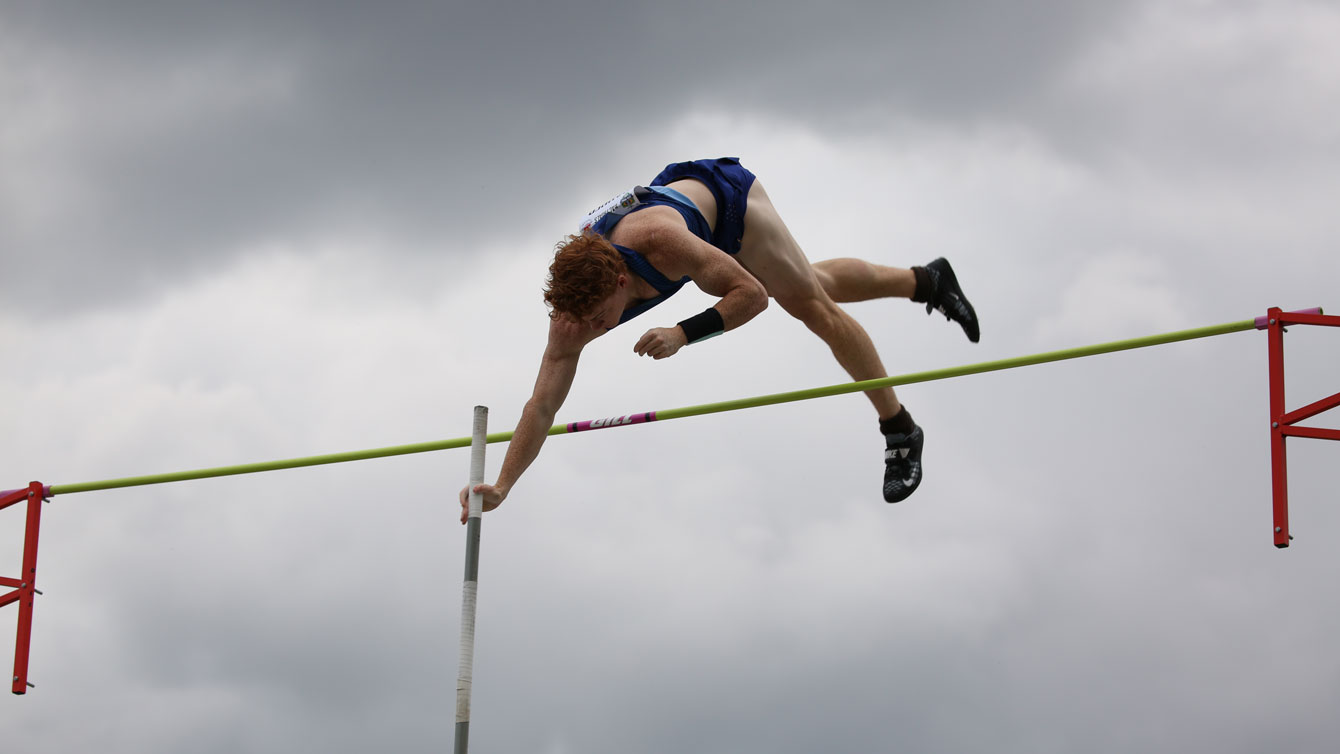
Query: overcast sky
(234, 232)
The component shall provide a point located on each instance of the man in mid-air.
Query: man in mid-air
(710, 222)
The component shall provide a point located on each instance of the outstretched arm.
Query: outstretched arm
(557, 370)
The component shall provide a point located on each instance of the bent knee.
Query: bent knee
(818, 312)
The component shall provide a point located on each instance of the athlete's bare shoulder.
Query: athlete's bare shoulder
(644, 226)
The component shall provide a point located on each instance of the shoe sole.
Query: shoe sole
(947, 271)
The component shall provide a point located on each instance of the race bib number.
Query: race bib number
(619, 205)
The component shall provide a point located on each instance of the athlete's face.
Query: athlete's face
(606, 314)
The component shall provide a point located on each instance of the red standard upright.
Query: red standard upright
(25, 586)
(1282, 421)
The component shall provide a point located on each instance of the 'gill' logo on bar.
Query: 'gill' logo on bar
(611, 422)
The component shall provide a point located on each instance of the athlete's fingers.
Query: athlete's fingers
(644, 343)
(465, 500)
(653, 344)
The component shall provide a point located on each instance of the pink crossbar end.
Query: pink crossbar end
(10, 497)
(46, 491)
(1264, 321)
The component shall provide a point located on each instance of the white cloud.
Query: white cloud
(1122, 295)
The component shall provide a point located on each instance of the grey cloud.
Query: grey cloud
(191, 130)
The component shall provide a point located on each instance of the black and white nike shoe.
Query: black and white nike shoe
(902, 464)
(948, 299)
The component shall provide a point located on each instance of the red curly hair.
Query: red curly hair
(585, 271)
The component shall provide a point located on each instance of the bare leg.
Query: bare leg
(772, 255)
(847, 280)
(848, 341)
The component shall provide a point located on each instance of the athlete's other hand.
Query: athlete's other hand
(661, 342)
(493, 497)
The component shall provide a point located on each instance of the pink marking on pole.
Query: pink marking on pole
(613, 421)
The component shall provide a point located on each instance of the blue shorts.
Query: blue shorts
(729, 182)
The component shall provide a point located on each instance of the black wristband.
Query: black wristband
(703, 325)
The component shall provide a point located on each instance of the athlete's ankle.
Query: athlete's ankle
(900, 423)
(925, 285)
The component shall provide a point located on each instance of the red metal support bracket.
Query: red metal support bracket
(1283, 421)
(25, 586)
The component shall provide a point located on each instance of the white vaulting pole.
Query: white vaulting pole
(465, 677)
